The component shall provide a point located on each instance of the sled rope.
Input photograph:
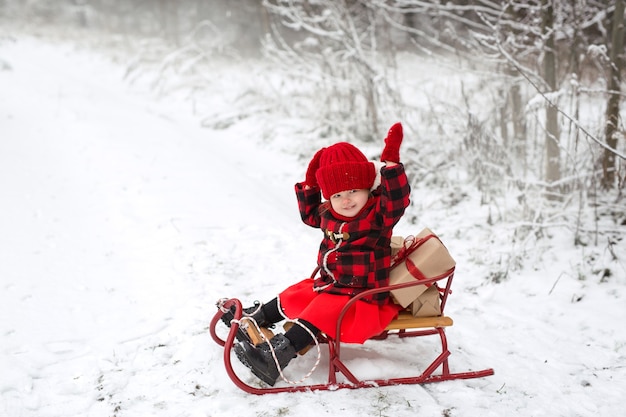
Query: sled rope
(338, 243)
(220, 304)
(247, 318)
(246, 322)
(317, 346)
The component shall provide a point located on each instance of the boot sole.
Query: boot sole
(241, 355)
(240, 352)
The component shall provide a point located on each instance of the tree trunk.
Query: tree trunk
(519, 120)
(553, 169)
(518, 116)
(613, 104)
(168, 12)
(503, 115)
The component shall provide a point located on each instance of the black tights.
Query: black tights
(298, 336)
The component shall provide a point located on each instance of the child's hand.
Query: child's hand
(391, 153)
(310, 180)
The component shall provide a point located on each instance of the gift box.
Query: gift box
(396, 244)
(421, 257)
(427, 304)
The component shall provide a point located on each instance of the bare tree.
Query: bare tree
(334, 44)
(168, 17)
(616, 66)
(553, 169)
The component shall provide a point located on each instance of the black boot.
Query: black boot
(258, 316)
(229, 315)
(260, 360)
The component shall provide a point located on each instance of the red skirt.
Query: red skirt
(363, 321)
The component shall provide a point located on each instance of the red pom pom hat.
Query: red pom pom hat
(344, 167)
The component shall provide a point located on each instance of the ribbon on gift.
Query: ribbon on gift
(414, 270)
(410, 244)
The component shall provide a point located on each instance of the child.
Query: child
(364, 202)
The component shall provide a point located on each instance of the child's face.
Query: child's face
(349, 203)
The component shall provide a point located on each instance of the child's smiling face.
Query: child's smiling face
(348, 203)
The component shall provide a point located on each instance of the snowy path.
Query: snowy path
(122, 222)
(106, 205)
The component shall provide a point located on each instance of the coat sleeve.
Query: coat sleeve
(394, 195)
(309, 202)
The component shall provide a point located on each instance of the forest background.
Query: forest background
(532, 116)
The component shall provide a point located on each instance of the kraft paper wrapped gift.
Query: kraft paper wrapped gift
(430, 257)
(427, 304)
(396, 244)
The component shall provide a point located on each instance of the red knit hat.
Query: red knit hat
(344, 167)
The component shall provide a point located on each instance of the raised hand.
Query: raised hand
(391, 152)
(310, 179)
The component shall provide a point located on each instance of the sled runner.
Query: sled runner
(405, 326)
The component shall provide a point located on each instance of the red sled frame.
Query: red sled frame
(398, 327)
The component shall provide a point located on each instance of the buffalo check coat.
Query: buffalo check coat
(354, 256)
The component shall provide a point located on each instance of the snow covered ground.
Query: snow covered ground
(122, 222)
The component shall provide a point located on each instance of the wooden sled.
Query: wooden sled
(404, 326)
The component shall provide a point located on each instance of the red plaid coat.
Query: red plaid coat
(355, 254)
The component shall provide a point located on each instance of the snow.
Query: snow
(123, 222)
